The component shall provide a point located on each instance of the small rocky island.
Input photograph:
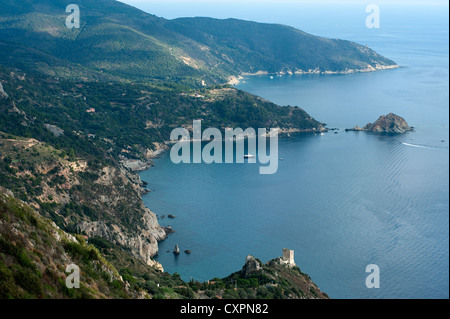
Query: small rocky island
(391, 123)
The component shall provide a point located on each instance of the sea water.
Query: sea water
(341, 201)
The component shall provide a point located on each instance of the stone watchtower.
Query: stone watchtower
(288, 257)
(251, 266)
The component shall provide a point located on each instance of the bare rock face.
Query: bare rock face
(141, 236)
(54, 130)
(143, 245)
(390, 123)
(3, 94)
(159, 148)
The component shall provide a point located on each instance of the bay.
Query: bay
(341, 201)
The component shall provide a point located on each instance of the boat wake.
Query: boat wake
(430, 147)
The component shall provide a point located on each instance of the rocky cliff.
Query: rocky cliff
(80, 196)
(34, 254)
(3, 94)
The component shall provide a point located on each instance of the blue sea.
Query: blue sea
(340, 201)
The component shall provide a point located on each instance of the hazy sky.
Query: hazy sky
(335, 19)
(186, 3)
(252, 8)
(428, 2)
(298, 13)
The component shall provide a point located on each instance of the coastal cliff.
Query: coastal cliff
(74, 159)
(69, 150)
(82, 197)
(34, 254)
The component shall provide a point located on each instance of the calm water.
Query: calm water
(341, 201)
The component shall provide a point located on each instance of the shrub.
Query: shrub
(29, 281)
(8, 290)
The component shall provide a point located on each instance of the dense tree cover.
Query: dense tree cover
(117, 41)
(99, 119)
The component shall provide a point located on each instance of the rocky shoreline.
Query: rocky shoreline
(161, 148)
(235, 80)
(138, 165)
(390, 123)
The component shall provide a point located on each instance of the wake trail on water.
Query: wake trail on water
(430, 147)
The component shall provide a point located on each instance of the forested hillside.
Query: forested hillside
(118, 42)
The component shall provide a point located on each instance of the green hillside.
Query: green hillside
(117, 41)
(77, 106)
(34, 254)
(251, 47)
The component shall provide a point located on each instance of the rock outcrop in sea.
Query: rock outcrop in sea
(390, 123)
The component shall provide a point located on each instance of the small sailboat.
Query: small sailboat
(176, 251)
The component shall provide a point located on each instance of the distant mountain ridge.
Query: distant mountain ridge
(117, 41)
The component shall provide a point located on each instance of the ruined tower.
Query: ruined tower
(288, 257)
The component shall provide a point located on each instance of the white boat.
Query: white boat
(249, 156)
